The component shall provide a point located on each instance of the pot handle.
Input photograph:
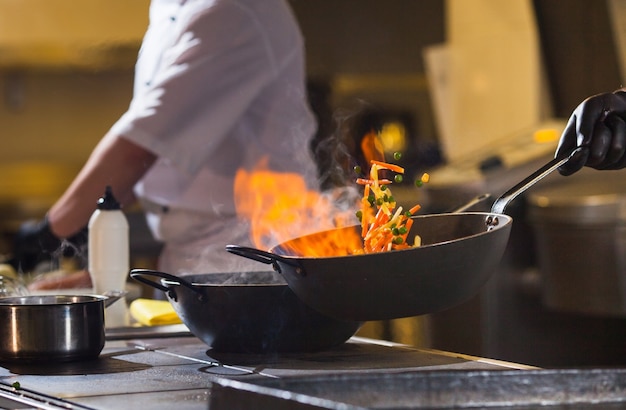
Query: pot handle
(113, 296)
(140, 276)
(259, 255)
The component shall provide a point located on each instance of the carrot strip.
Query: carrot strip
(381, 217)
(408, 225)
(414, 210)
(401, 246)
(365, 181)
(381, 242)
(386, 165)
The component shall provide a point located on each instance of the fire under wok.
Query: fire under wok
(459, 251)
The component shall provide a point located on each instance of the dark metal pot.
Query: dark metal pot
(459, 253)
(250, 312)
(52, 328)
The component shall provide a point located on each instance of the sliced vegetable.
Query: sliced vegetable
(383, 227)
(364, 181)
(391, 167)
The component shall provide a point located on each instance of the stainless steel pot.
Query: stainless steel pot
(52, 328)
(580, 241)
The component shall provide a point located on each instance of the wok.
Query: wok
(459, 253)
(248, 312)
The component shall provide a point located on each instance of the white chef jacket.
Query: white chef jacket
(219, 84)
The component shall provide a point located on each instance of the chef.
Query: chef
(599, 125)
(219, 86)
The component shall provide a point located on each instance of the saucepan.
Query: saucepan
(248, 312)
(53, 328)
(459, 252)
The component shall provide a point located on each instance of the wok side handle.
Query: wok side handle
(499, 206)
(258, 255)
(474, 201)
(141, 275)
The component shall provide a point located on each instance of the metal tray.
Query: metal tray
(497, 389)
(147, 332)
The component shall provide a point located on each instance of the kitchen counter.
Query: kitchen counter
(173, 368)
(166, 367)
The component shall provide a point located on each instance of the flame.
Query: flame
(372, 147)
(280, 207)
(283, 211)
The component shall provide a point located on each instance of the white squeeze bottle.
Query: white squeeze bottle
(109, 255)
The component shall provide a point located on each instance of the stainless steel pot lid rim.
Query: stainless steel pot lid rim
(38, 300)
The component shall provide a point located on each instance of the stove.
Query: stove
(160, 369)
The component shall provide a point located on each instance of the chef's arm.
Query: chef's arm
(116, 162)
(599, 125)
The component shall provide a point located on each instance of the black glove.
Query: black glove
(599, 125)
(34, 242)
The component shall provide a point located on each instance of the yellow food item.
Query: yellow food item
(151, 312)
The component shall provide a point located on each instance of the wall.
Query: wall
(579, 50)
(59, 114)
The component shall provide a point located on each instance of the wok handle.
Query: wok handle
(259, 255)
(505, 199)
(141, 274)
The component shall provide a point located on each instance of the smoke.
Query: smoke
(332, 154)
(255, 278)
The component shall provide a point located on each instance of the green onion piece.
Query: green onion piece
(16, 385)
(395, 231)
(357, 169)
(398, 240)
(402, 230)
(391, 199)
(408, 214)
(379, 201)
(359, 215)
(397, 155)
(383, 187)
(398, 178)
(419, 183)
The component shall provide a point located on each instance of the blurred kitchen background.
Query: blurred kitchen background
(475, 92)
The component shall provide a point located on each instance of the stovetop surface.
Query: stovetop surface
(159, 372)
(178, 371)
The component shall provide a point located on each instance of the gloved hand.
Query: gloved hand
(35, 242)
(598, 124)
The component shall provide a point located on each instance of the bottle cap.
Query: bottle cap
(107, 201)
